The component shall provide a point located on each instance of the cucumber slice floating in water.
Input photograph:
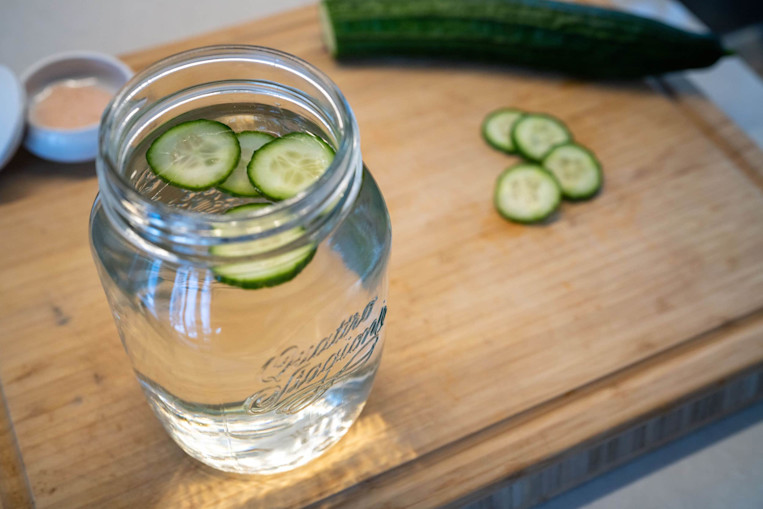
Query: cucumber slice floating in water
(576, 169)
(535, 134)
(246, 207)
(497, 127)
(288, 165)
(194, 155)
(237, 182)
(264, 272)
(526, 193)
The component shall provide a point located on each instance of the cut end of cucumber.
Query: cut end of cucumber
(194, 155)
(286, 166)
(535, 134)
(526, 193)
(327, 29)
(497, 127)
(576, 169)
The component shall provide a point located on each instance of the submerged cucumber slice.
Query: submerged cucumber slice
(194, 155)
(535, 134)
(576, 169)
(497, 127)
(288, 165)
(526, 193)
(265, 272)
(246, 207)
(237, 182)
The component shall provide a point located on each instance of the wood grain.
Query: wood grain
(506, 344)
(14, 491)
(716, 126)
(583, 462)
(546, 434)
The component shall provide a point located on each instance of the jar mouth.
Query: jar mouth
(132, 108)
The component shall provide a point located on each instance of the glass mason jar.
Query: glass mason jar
(251, 380)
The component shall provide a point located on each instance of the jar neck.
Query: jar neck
(211, 76)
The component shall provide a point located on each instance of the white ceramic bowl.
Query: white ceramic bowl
(12, 118)
(70, 145)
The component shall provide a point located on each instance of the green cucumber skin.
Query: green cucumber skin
(546, 218)
(518, 146)
(254, 193)
(187, 187)
(583, 196)
(285, 136)
(581, 40)
(268, 282)
(527, 222)
(487, 137)
(247, 207)
(237, 195)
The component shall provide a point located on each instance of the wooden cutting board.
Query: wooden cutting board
(513, 353)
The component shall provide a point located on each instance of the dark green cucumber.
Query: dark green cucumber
(577, 39)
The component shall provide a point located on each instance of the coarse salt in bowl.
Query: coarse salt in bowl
(67, 93)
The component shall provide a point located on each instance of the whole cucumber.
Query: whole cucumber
(577, 39)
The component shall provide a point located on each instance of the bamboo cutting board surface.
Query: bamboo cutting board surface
(506, 345)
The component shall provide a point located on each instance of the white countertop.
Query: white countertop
(720, 466)
(33, 29)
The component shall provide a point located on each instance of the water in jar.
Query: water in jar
(253, 381)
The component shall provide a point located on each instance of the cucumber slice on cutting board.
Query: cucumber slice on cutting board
(237, 183)
(576, 169)
(288, 165)
(535, 134)
(194, 155)
(497, 127)
(526, 193)
(270, 271)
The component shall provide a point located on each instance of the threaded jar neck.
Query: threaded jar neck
(213, 77)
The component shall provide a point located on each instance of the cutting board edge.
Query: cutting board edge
(715, 125)
(705, 397)
(14, 484)
(417, 481)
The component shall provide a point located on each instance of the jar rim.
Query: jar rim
(125, 109)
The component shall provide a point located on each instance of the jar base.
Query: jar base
(227, 438)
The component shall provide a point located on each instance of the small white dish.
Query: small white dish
(69, 145)
(12, 118)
